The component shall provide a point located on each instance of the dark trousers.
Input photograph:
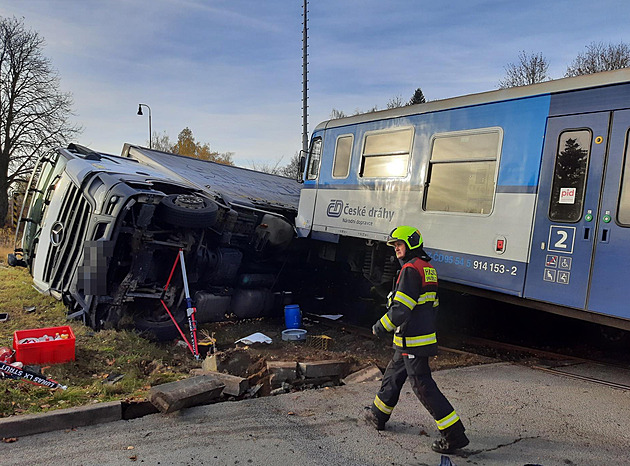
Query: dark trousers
(417, 368)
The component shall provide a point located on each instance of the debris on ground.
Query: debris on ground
(255, 338)
(185, 393)
(234, 385)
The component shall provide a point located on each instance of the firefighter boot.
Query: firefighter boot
(372, 420)
(445, 445)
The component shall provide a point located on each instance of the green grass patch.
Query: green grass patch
(101, 358)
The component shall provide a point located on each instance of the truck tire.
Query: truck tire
(189, 210)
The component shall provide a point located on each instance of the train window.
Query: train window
(462, 171)
(569, 176)
(386, 153)
(623, 211)
(343, 152)
(315, 157)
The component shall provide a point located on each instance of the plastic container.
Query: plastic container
(294, 334)
(292, 316)
(44, 352)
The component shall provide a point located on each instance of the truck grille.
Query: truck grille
(63, 258)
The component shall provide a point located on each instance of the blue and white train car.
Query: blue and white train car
(522, 193)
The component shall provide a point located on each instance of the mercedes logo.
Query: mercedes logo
(56, 234)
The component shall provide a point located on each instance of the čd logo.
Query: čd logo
(334, 208)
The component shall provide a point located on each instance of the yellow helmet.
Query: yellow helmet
(410, 235)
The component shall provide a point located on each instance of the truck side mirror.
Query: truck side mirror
(302, 167)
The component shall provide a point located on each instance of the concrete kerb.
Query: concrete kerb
(99, 413)
(67, 418)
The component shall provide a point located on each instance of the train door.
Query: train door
(308, 195)
(611, 272)
(567, 211)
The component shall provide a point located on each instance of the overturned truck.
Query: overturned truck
(103, 232)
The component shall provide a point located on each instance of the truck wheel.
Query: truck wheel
(188, 210)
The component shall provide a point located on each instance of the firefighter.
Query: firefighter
(411, 312)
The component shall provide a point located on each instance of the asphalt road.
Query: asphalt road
(514, 416)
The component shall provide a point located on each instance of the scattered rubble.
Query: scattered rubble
(262, 364)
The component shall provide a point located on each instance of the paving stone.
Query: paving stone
(194, 391)
(316, 369)
(281, 371)
(234, 385)
(367, 374)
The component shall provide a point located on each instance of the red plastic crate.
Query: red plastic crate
(44, 352)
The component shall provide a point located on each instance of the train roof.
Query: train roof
(606, 78)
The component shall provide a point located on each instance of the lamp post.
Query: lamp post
(140, 113)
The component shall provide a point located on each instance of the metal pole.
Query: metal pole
(305, 80)
(140, 113)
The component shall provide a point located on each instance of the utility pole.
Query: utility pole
(305, 79)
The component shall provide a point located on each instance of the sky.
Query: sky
(231, 70)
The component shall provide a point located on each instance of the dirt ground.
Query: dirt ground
(325, 341)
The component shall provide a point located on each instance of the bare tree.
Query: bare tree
(358, 111)
(161, 141)
(600, 57)
(266, 167)
(396, 102)
(33, 111)
(336, 114)
(291, 169)
(530, 69)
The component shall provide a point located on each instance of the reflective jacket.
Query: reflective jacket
(412, 309)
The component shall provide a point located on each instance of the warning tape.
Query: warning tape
(13, 372)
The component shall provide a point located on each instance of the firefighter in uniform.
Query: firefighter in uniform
(412, 308)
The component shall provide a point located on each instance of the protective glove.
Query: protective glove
(378, 330)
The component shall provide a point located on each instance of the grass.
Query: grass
(99, 356)
(6, 243)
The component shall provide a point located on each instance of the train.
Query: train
(521, 194)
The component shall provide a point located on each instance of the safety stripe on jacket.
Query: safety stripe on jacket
(410, 342)
(387, 323)
(406, 300)
(382, 406)
(427, 297)
(447, 421)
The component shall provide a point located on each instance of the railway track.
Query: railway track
(603, 372)
(596, 370)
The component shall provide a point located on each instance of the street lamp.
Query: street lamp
(140, 113)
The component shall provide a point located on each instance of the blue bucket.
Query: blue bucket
(292, 316)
